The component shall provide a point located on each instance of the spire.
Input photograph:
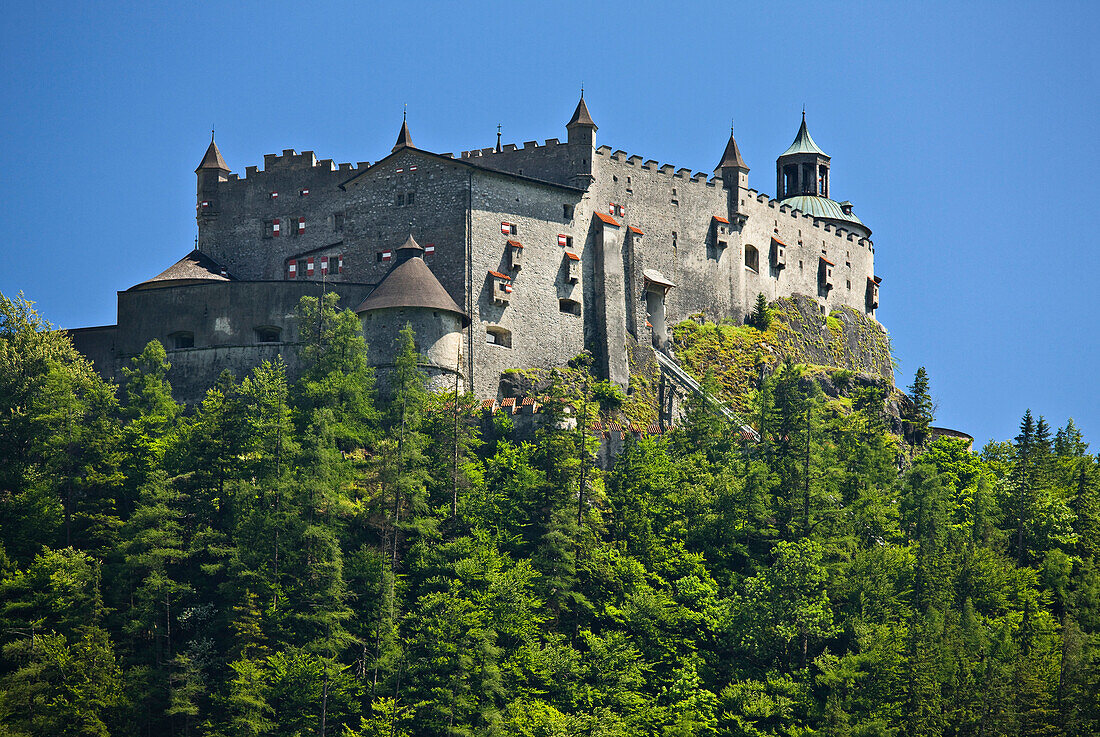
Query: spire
(403, 138)
(731, 157)
(803, 142)
(581, 115)
(411, 245)
(213, 157)
(498, 138)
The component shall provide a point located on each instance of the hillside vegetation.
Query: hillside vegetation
(791, 328)
(326, 558)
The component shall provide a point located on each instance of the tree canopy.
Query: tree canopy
(324, 556)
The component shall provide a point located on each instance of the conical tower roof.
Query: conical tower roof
(212, 159)
(731, 157)
(581, 116)
(194, 267)
(411, 245)
(404, 138)
(411, 284)
(803, 142)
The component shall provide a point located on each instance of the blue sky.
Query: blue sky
(965, 134)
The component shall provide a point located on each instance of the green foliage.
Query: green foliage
(760, 319)
(608, 395)
(918, 425)
(298, 558)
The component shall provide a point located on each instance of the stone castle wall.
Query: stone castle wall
(683, 225)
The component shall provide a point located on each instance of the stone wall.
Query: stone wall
(222, 317)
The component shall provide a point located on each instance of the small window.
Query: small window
(272, 228)
(303, 193)
(496, 335)
(567, 212)
(338, 222)
(410, 197)
(569, 306)
(181, 339)
(400, 199)
(849, 283)
(752, 258)
(268, 334)
(382, 256)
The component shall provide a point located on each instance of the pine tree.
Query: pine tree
(923, 409)
(760, 319)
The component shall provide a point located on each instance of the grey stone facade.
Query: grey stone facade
(548, 248)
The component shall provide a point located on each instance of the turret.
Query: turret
(410, 294)
(735, 176)
(582, 138)
(803, 169)
(212, 170)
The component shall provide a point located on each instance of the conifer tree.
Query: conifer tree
(923, 408)
(760, 319)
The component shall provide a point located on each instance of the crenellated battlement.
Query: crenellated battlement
(509, 148)
(619, 156)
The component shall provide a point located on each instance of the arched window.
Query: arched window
(181, 339)
(569, 306)
(752, 258)
(496, 335)
(268, 334)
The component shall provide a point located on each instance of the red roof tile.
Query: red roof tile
(572, 256)
(779, 241)
(515, 244)
(636, 231)
(721, 219)
(827, 261)
(499, 275)
(607, 219)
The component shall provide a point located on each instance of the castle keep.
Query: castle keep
(503, 257)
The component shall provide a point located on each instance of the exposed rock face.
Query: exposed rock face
(845, 339)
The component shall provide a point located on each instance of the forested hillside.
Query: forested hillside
(324, 558)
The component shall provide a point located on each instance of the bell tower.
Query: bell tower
(803, 169)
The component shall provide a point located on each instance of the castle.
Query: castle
(503, 257)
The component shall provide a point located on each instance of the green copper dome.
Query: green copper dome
(822, 207)
(804, 143)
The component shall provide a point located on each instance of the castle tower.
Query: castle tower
(803, 169)
(410, 294)
(735, 176)
(582, 137)
(212, 170)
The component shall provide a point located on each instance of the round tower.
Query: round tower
(803, 169)
(411, 295)
(582, 138)
(211, 171)
(802, 181)
(735, 177)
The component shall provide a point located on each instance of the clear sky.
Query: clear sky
(965, 134)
